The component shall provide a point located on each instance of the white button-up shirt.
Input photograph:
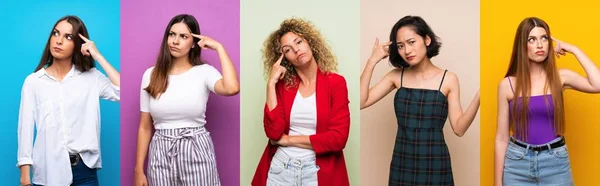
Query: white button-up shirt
(66, 116)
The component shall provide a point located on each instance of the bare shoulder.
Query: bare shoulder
(505, 87)
(451, 78)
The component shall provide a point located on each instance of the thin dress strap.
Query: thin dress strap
(401, 77)
(511, 86)
(442, 79)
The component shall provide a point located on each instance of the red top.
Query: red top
(333, 126)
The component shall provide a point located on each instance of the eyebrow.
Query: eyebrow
(398, 42)
(179, 33)
(56, 30)
(286, 45)
(540, 36)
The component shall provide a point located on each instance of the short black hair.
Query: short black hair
(421, 28)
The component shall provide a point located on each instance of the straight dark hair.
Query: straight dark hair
(159, 78)
(81, 62)
(422, 29)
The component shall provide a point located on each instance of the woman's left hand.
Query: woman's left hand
(562, 48)
(88, 48)
(207, 42)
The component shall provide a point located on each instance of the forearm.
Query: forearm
(230, 80)
(299, 141)
(144, 136)
(111, 72)
(271, 96)
(365, 81)
(499, 156)
(466, 119)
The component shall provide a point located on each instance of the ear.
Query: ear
(427, 40)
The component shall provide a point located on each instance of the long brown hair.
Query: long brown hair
(322, 54)
(81, 62)
(519, 67)
(159, 79)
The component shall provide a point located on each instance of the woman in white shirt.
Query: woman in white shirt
(60, 99)
(173, 98)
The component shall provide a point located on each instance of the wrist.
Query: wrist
(372, 61)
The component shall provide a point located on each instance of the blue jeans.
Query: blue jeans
(285, 171)
(83, 175)
(524, 167)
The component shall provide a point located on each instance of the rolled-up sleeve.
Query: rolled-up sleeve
(108, 90)
(26, 124)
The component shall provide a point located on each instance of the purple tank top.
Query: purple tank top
(541, 119)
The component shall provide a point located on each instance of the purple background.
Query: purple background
(143, 23)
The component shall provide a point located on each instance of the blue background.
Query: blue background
(25, 28)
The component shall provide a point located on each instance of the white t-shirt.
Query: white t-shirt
(303, 121)
(183, 104)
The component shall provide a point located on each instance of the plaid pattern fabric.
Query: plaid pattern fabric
(421, 156)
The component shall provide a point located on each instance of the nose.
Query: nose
(176, 40)
(59, 41)
(539, 43)
(407, 49)
(295, 49)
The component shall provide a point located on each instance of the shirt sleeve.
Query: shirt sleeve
(108, 90)
(212, 76)
(26, 124)
(145, 96)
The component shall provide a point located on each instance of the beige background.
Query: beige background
(338, 21)
(457, 24)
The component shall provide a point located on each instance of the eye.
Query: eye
(54, 33)
(286, 50)
(69, 37)
(171, 34)
(184, 37)
(411, 42)
(544, 38)
(299, 41)
(400, 46)
(531, 40)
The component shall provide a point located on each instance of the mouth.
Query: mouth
(540, 53)
(299, 56)
(410, 58)
(175, 49)
(56, 49)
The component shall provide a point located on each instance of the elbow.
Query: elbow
(232, 90)
(459, 133)
(274, 135)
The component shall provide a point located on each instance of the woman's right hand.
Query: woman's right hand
(380, 51)
(277, 71)
(140, 179)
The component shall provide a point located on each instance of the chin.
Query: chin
(539, 59)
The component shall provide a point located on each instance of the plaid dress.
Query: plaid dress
(420, 154)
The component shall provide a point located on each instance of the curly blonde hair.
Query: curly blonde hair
(320, 49)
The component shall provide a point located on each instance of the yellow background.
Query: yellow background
(575, 22)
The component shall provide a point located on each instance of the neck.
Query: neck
(536, 69)
(62, 66)
(307, 73)
(422, 66)
(181, 63)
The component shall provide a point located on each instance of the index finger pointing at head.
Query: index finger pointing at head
(278, 62)
(197, 36)
(84, 38)
(387, 43)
